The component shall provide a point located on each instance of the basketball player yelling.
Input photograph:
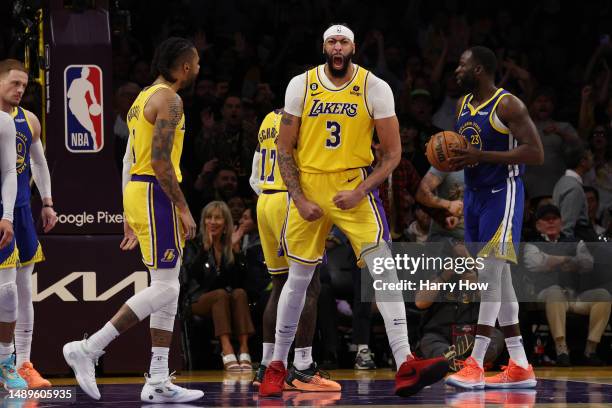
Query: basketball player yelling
(501, 140)
(324, 156)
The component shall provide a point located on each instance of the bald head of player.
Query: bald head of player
(176, 60)
(13, 82)
(339, 48)
(476, 68)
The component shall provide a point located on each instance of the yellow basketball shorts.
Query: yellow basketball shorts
(365, 225)
(271, 214)
(155, 222)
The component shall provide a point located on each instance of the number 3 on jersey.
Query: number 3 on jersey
(333, 141)
(265, 156)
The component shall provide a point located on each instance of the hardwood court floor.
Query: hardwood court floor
(557, 387)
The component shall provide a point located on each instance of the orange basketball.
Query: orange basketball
(439, 148)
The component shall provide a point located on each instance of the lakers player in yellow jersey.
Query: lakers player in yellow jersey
(272, 207)
(324, 155)
(157, 218)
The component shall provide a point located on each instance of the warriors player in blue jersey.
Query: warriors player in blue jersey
(501, 140)
(8, 254)
(30, 162)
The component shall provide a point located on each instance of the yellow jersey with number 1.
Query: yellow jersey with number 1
(269, 172)
(337, 126)
(141, 136)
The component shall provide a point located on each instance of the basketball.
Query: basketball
(95, 109)
(439, 148)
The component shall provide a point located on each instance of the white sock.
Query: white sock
(490, 299)
(391, 307)
(362, 347)
(102, 338)
(159, 363)
(517, 351)
(268, 352)
(481, 344)
(23, 341)
(6, 350)
(289, 310)
(25, 314)
(302, 358)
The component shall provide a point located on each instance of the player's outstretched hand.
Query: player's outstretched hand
(6, 233)
(49, 218)
(188, 223)
(308, 210)
(129, 240)
(347, 199)
(463, 157)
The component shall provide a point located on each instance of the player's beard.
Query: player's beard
(346, 61)
(468, 82)
(189, 84)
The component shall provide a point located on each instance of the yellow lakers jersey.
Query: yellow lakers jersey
(269, 172)
(141, 136)
(337, 127)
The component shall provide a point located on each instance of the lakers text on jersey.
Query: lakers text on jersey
(337, 126)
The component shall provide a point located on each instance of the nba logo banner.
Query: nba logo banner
(83, 102)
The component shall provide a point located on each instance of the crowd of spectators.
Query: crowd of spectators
(248, 57)
(553, 55)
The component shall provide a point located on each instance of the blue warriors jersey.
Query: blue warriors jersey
(24, 141)
(483, 130)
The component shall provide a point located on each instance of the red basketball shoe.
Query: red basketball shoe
(274, 380)
(415, 373)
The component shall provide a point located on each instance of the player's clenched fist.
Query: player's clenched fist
(308, 210)
(345, 200)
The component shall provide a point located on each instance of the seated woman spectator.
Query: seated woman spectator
(215, 277)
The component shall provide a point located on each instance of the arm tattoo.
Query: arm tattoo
(428, 191)
(161, 150)
(290, 174)
(286, 119)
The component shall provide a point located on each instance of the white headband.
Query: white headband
(338, 30)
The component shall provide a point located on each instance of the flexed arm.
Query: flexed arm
(287, 141)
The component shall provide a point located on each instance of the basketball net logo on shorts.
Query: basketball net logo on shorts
(83, 103)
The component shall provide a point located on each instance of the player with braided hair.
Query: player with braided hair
(157, 218)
